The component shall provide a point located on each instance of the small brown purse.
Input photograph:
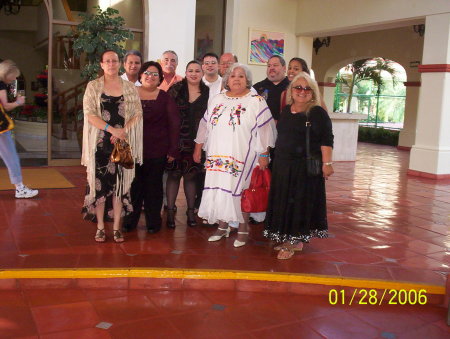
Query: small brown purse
(122, 155)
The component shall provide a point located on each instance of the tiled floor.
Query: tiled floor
(80, 313)
(383, 224)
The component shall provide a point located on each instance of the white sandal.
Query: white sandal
(238, 243)
(218, 237)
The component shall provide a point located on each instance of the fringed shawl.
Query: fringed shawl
(133, 110)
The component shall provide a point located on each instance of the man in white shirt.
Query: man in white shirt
(212, 79)
(132, 63)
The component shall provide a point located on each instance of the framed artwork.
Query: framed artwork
(263, 45)
(204, 45)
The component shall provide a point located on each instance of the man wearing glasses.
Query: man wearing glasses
(212, 79)
(226, 60)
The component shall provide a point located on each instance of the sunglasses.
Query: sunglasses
(148, 73)
(306, 89)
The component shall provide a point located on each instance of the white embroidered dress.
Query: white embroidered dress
(234, 132)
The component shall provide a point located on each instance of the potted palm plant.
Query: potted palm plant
(367, 69)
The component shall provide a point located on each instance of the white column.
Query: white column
(171, 26)
(231, 29)
(408, 134)
(430, 155)
(327, 90)
(305, 49)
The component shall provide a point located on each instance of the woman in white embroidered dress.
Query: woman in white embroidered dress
(235, 133)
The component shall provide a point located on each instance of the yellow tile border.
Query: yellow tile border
(83, 273)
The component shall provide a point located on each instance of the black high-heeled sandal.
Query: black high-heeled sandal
(191, 221)
(170, 222)
(100, 235)
(118, 236)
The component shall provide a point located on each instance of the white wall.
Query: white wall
(26, 20)
(171, 28)
(130, 10)
(328, 17)
(269, 15)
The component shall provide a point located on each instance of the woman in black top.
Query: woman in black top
(297, 202)
(191, 96)
(8, 74)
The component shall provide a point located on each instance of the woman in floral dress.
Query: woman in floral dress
(112, 111)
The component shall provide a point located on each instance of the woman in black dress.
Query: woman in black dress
(112, 111)
(297, 202)
(191, 96)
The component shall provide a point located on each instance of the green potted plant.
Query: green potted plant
(98, 32)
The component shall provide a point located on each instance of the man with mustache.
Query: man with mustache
(169, 63)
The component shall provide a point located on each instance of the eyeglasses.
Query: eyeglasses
(154, 74)
(210, 63)
(229, 63)
(306, 89)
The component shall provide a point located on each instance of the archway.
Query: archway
(65, 85)
(374, 87)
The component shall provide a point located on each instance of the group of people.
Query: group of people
(211, 128)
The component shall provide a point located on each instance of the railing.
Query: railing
(64, 56)
(66, 108)
(385, 111)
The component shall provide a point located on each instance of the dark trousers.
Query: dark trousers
(147, 188)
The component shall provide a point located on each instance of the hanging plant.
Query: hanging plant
(97, 33)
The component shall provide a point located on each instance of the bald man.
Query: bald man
(225, 61)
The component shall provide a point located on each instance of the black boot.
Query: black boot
(170, 222)
(191, 221)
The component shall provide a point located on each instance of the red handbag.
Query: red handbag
(254, 199)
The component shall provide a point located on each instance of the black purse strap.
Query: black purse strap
(308, 127)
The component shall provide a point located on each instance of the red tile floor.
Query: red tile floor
(383, 225)
(123, 314)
